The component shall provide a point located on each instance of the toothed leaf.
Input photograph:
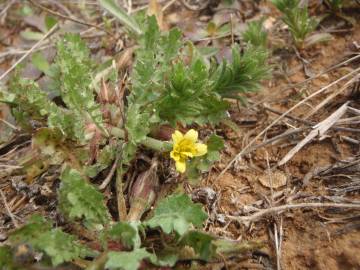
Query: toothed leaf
(56, 244)
(126, 260)
(80, 200)
(177, 213)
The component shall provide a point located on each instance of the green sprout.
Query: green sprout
(297, 18)
(255, 34)
(335, 5)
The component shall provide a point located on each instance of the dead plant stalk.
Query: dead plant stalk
(275, 210)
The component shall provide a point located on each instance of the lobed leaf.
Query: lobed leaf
(75, 74)
(58, 245)
(126, 260)
(201, 242)
(127, 233)
(177, 213)
(80, 200)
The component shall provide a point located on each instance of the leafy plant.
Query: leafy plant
(177, 213)
(189, 92)
(335, 5)
(72, 75)
(171, 83)
(255, 34)
(286, 5)
(79, 199)
(58, 246)
(297, 19)
(126, 260)
(336, 9)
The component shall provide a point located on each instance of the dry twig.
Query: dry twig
(241, 153)
(67, 17)
(110, 175)
(37, 44)
(319, 130)
(291, 86)
(11, 215)
(275, 210)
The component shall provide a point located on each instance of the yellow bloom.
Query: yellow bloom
(184, 147)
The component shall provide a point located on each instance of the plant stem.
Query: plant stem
(99, 262)
(121, 204)
(151, 143)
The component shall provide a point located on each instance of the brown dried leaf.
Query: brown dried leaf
(275, 179)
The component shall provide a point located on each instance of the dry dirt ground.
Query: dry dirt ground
(311, 238)
(303, 238)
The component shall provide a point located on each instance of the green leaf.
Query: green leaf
(30, 102)
(243, 75)
(285, 5)
(177, 213)
(255, 34)
(137, 124)
(59, 246)
(201, 243)
(40, 62)
(202, 164)
(165, 258)
(6, 259)
(103, 160)
(74, 78)
(46, 141)
(173, 83)
(50, 22)
(26, 10)
(128, 152)
(127, 233)
(31, 35)
(297, 19)
(79, 199)
(215, 143)
(72, 75)
(122, 16)
(126, 260)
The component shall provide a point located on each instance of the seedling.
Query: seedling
(297, 18)
(336, 9)
(255, 34)
(335, 5)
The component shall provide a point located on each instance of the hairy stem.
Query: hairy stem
(151, 143)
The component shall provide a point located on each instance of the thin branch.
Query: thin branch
(11, 215)
(110, 175)
(7, 7)
(9, 124)
(275, 210)
(37, 44)
(291, 86)
(310, 123)
(67, 17)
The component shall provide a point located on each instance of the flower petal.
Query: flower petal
(201, 149)
(174, 155)
(177, 136)
(187, 154)
(191, 135)
(180, 166)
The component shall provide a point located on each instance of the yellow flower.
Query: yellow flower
(184, 147)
